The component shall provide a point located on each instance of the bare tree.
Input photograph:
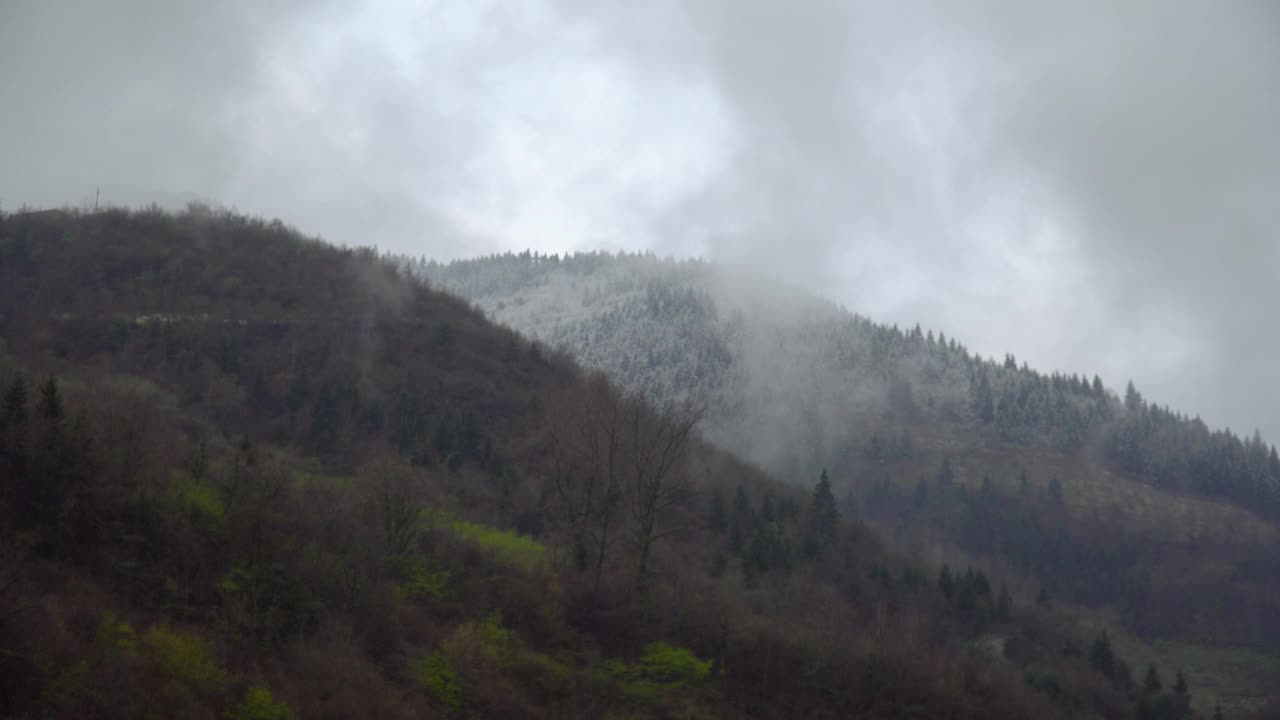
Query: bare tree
(659, 440)
(585, 470)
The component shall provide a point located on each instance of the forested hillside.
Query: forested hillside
(1144, 519)
(247, 474)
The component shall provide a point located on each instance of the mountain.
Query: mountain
(248, 474)
(1144, 521)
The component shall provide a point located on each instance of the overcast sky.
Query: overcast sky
(1091, 185)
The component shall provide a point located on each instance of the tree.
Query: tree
(1152, 682)
(823, 516)
(982, 399)
(395, 499)
(51, 409)
(659, 441)
(946, 476)
(717, 514)
(1132, 398)
(1182, 694)
(1055, 491)
(1102, 657)
(946, 583)
(921, 496)
(585, 470)
(1004, 605)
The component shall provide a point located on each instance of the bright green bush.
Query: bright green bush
(665, 663)
(511, 548)
(439, 680)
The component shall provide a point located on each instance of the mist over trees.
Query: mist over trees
(789, 379)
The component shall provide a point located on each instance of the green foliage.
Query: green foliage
(672, 665)
(438, 678)
(199, 499)
(258, 704)
(509, 547)
(420, 580)
(664, 675)
(184, 657)
(114, 634)
(496, 641)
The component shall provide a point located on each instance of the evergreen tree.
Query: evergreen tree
(945, 582)
(51, 410)
(850, 503)
(981, 399)
(1102, 657)
(1152, 684)
(741, 503)
(1055, 492)
(1124, 676)
(717, 515)
(1132, 398)
(1182, 694)
(921, 496)
(823, 515)
(946, 476)
(1004, 605)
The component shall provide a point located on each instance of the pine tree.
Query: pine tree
(1102, 657)
(1055, 492)
(946, 476)
(945, 582)
(51, 410)
(921, 496)
(1152, 684)
(1004, 605)
(1182, 694)
(850, 503)
(823, 516)
(717, 515)
(1132, 398)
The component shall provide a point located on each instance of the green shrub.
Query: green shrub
(665, 663)
(115, 634)
(439, 680)
(421, 581)
(185, 657)
(512, 548)
(258, 704)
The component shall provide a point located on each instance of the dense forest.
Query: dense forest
(1134, 514)
(247, 474)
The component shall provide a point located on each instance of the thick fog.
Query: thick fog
(1094, 186)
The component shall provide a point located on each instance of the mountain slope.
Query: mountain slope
(247, 474)
(1146, 519)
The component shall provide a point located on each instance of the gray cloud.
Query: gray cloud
(1093, 186)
